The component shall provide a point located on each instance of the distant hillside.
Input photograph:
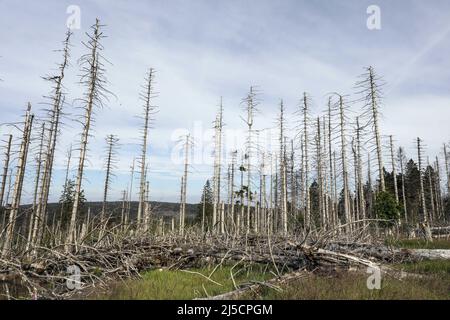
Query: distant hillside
(164, 209)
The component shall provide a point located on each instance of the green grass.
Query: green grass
(420, 244)
(352, 286)
(161, 285)
(166, 284)
(434, 267)
(176, 285)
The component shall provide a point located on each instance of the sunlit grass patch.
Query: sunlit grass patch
(353, 286)
(420, 244)
(437, 267)
(167, 284)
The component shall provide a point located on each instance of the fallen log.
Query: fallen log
(253, 287)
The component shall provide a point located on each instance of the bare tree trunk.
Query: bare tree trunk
(332, 176)
(305, 151)
(371, 193)
(58, 103)
(111, 142)
(94, 81)
(394, 170)
(9, 184)
(204, 211)
(430, 186)
(130, 195)
(222, 218)
(36, 188)
(147, 97)
(18, 183)
(319, 174)
(181, 222)
(293, 182)
(425, 225)
(263, 217)
(283, 174)
(275, 203)
(240, 215)
(361, 196)
(344, 163)
(401, 157)
(269, 222)
(123, 209)
(251, 108)
(184, 185)
(8, 190)
(147, 207)
(285, 198)
(217, 166)
(302, 178)
(5, 169)
(233, 166)
(336, 203)
(173, 225)
(447, 169)
(326, 188)
(66, 179)
(439, 200)
(374, 105)
(357, 212)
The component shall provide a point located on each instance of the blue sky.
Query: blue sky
(203, 50)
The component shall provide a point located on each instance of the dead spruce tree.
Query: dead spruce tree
(149, 110)
(18, 183)
(293, 181)
(306, 121)
(333, 196)
(401, 158)
(430, 178)
(319, 175)
(5, 169)
(231, 205)
(250, 108)
(324, 162)
(360, 182)
(218, 128)
(340, 109)
(56, 103)
(447, 169)
(33, 216)
(147, 206)
(92, 77)
(370, 90)
(394, 170)
(66, 178)
(130, 194)
(110, 164)
(183, 196)
(439, 200)
(283, 171)
(425, 221)
(263, 195)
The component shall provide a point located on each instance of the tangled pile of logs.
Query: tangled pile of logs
(44, 273)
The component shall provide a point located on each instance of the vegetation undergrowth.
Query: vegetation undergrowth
(165, 284)
(353, 286)
(420, 244)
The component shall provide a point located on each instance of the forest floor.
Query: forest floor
(431, 280)
(257, 269)
(347, 285)
(420, 244)
(190, 284)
